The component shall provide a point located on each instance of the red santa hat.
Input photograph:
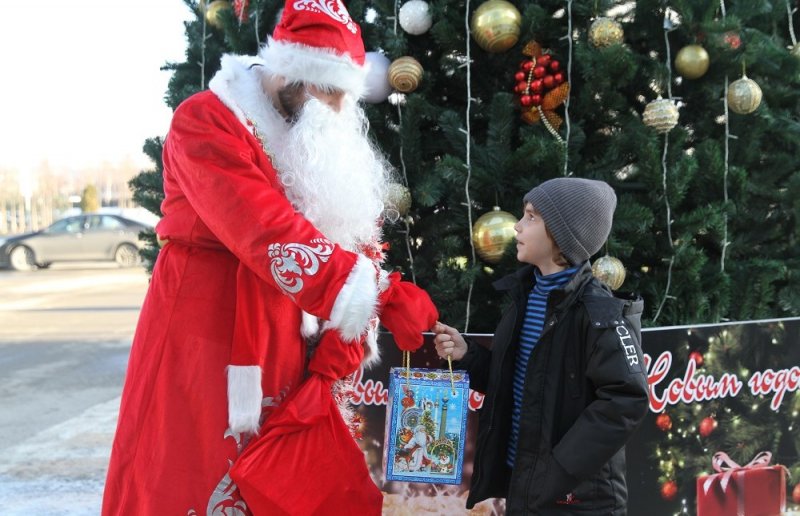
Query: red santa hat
(317, 42)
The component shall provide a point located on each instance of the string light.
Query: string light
(728, 136)
(569, 81)
(790, 12)
(403, 166)
(468, 162)
(257, 11)
(667, 29)
(202, 62)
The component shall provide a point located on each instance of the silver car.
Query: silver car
(80, 238)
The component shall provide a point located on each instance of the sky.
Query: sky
(80, 82)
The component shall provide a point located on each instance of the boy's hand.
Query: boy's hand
(449, 342)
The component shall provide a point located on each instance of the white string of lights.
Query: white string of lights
(667, 29)
(790, 12)
(569, 81)
(202, 62)
(725, 242)
(468, 161)
(257, 10)
(403, 163)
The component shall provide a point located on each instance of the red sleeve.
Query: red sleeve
(208, 155)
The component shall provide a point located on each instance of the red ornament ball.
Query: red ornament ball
(539, 72)
(521, 86)
(664, 422)
(669, 490)
(526, 100)
(548, 82)
(527, 65)
(707, 426)
(554, 66)
(543, 60)
(536, 85)
(520, 76)
(796, 493)
(536, 99)
(558, 77)
(697, 357)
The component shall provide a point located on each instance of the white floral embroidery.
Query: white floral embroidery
(333, 8)
(290, 262)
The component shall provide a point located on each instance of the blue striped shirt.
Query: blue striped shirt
(528, 337)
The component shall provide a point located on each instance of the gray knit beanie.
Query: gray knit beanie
(578, 212)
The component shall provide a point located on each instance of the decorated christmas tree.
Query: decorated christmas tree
(688, 109)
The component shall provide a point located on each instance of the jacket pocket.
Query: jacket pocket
(584, 494)
(548, 483)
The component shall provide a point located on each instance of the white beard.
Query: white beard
(332, 174)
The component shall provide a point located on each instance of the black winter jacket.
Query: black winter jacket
(585, 393)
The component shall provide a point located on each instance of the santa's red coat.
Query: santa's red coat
(228, 289)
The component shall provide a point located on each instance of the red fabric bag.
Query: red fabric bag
(305, 460)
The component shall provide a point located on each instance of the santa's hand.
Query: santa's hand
(334, 357)
(406, 311)
(449, 342)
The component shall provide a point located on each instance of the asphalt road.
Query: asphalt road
(65, 336)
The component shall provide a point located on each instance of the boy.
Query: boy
(564, 380)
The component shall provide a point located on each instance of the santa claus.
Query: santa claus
(272, 214)
(418, 447)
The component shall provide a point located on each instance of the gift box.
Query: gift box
(756, 489)
(426, 420)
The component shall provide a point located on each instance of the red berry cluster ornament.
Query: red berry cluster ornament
(732, 39)
(536, 77)
(669, 490)
(707, 426)
(540, 84)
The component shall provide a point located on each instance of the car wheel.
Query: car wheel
(126, 255)
(22, 258)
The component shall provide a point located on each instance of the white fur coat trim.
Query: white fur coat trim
(244, 398)
(309, 326)
(357, 301)
(238, 85)
(317, 66)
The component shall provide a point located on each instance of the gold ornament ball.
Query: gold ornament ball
(610, 271)
(213, 11)
(692, 61)
(405, 74)
(605, 32)
(492, 233)
(744, 96)
(661, 115)
(495, 25)
(398, 198)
